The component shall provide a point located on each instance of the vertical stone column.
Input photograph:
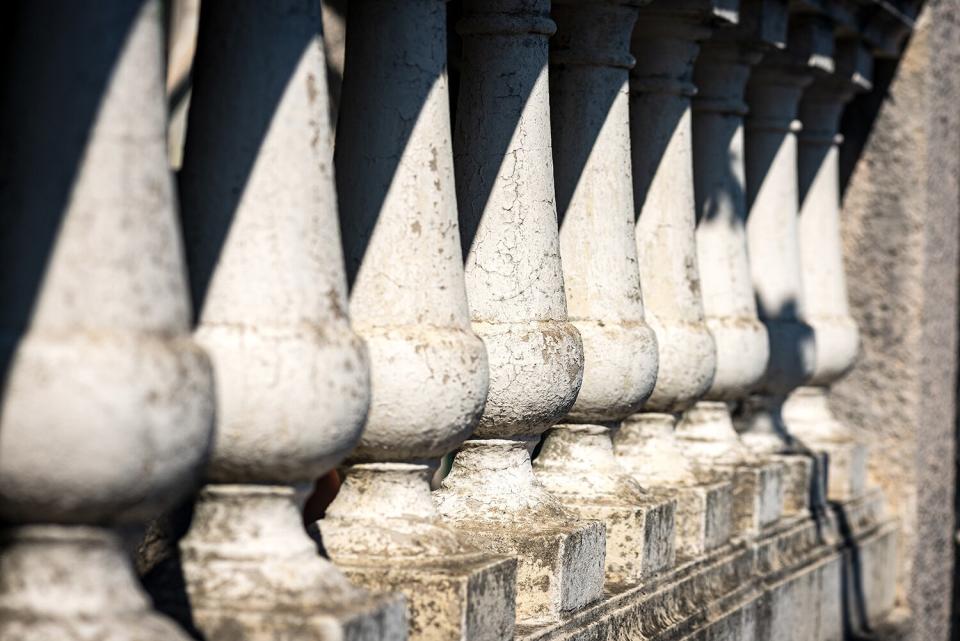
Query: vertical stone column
(707, 430)
(666, 43)
(429, 370)
(806, 412)
(267, 278)
(774, 93)
(589, 95)
(107, 405)
(505, 189)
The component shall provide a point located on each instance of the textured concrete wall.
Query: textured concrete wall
(900, 238)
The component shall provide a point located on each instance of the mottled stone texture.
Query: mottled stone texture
(900, 241)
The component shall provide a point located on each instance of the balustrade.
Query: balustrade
(612, 289)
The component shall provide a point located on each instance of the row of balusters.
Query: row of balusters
(571, 254)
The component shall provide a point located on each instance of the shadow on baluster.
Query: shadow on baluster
(61, 120)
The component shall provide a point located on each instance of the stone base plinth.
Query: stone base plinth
(846, 469)
(704, 519)
(560, 567)
(378, 618)
(640, 538)
(830, 621)
(667, 607)
(758, 493)
(869, 577)
(790, 609)
(452, 600)
(803, 486)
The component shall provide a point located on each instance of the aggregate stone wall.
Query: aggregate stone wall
(900, 239)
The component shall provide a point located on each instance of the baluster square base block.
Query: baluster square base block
(758, 496)
(377, 618)
(704, 519)
(560, 566)
(803, 486)
(450, 600)
(640, 538)
(846, 470)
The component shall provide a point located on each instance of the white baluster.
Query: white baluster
(505, 187)
(107, 404)
(408, 301)
(707, 430)
(589, 94)
(666, 43)
(806, 412)
(266, 268)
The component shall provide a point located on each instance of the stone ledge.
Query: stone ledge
(459, 599)
(714, 597)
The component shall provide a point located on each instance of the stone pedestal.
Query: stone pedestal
(646, 446)
(560, 558)
(386, 536)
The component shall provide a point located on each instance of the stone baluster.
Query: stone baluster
(666, 43)
(806, 412)
(429, 372)
(267, 278)
(707, 430)
(505, 189)
(773, 94)
(107, 404)
(589, 95)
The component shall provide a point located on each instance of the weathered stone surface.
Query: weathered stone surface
(252, 573)
(704, 518)
(758, 496)
(646, 447)
(458, 598)
(577, 465)
(383, 531)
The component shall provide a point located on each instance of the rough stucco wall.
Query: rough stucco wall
(900, 239)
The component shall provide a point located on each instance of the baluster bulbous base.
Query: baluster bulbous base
(577, 465)
(763, 429)
(73, 583)
(492, 496)
(808, 416)
(384, 532)
(253, 574)
(647, 448)
(710, 440)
